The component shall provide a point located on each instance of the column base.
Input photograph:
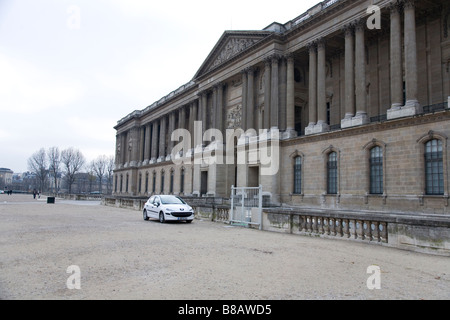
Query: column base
(289, 134)
(358, 120)
(411, 108)
(320, 127)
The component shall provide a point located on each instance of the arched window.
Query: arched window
(182, 180)
(434, 167)
(146, 182)
(332, 173)
(298, 175)
(171, 181)
(162, 182)
(376, 170)
(140, 183)
(154, 182)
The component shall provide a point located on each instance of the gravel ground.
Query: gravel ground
(121, 256)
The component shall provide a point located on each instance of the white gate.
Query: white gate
(246, 206)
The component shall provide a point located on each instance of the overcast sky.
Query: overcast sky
(69, 70)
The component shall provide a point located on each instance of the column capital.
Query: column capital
(359, 25)
(321, 43)
(348, 29)
(312, 47)
(289, 57)
(408, 4)
(274, 58)
(394, 8)
(202, 93)
(251, 70)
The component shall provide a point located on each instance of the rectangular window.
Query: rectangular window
(434, 168)
(376, 170)
(298, 175)
(332, 174)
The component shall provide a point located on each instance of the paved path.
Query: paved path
(121, 256)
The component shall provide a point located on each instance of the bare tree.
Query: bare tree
(99, 168)
(37, 164)
(54, 157)
(110, 166)
(72, 161)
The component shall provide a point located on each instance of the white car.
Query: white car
(168, 208)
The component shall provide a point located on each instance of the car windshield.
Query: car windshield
(171, 200)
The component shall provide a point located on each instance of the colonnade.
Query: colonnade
(151, 143)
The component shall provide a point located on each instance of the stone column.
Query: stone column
(134, 146)
(290, 98)
(282, 94)
(411, 55)
(244, 100)
(349, 72)
(124, 149)
(182, 118)
(396, 69)
(360, 75)
(412, 106)
(312, 99)
(169, 134)
(142, 141)
(214, 108)
(274, 94)
(250, 99)
(220, 110)
(321, 88)
(154, 151)
(267, 91)
(162, 139)
(204, 112)
(194, 118)
(147, 146)
(117, 161)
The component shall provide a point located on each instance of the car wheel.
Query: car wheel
(161, 217)
(145, 215)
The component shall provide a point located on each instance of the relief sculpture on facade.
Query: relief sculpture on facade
(232, 48)
(234, 117)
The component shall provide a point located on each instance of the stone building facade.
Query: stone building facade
(348, 101)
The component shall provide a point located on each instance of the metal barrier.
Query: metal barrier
(246, 206)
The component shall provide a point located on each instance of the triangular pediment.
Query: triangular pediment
(230, 45)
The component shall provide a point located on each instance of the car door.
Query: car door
(154, 207)
(149, 206)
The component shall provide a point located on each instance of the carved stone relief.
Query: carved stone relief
(234, 117)
(232, 48)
